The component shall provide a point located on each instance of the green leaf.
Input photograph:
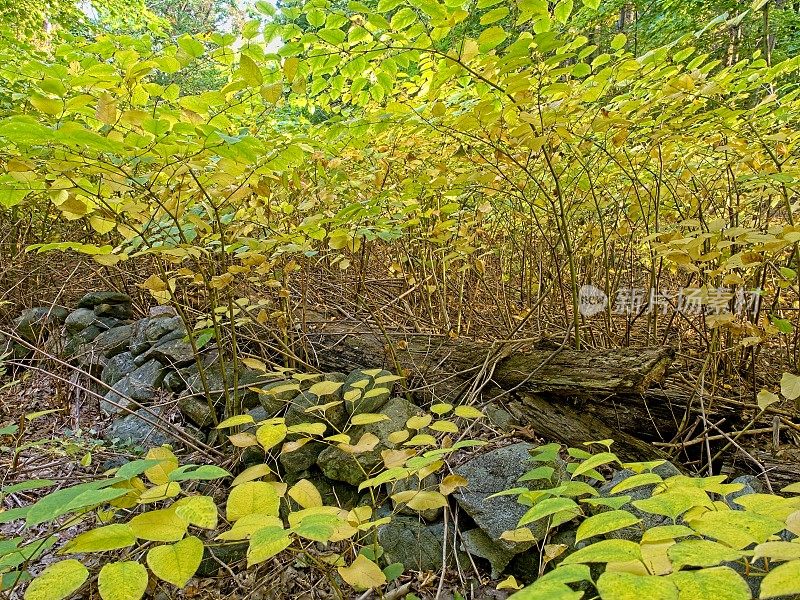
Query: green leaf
(636, 481)
(176, 563)
(593, 4)
(779, 551)
(719, 583)
(110, 537)
(561, 509)
(236, 421)
(191, 46)
(782, 581)
(618, 41)
(627, 586)
(122, 581)
(606, 551)
(494, 15)
(491, 38)
(198, 473)
(59, 580)
(700, 553)
(266, 543)
(562, 11)
(135, 468)
(604, 523)
(595, 461)
(403, 18)
(674, 502)
(332, 36)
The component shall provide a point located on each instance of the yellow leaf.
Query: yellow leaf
(396, 458)
(468, 412)
(251, 474)
(266, 543)
(58, 581)
(200, 511)
(154, 283)
(106, 109)
(523, 534)
(243, 440)
(324, 388)
(294, 445)
(422, 439)
(176, 563)
(368, 418)
(398, 437)
(420, 499)
(160, 492)
(254, 363)
(308, 428)
(159, 525)
(252, 497)
(249, 524)
(363, 574)
(509, 583)
(101, 225)
(450, 483)
(441, 408)
(419, 422)
(367, 443)
(271, 435)
(305, 494)
(110, 537)
(159, 474)
(122, 581)
(290, 67)
(236, 420)
(444, 426)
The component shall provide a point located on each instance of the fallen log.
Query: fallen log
(562, 393)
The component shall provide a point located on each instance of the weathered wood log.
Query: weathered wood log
(541, 367)
(561, 393)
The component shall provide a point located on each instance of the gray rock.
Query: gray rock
(35, 324)
(217, 385)
(752, 485)
(112, 342)
(92, 299)
(302, 459)
(117, 311)
(146, 332)
(356, 382)
(174, 382)
(132, 429)
(80, 319)
(500, 417)
(417, 545)
(139, 385)
(353, 468)
(174, 353)
(477, 543)
(495, 471)
(162, 311)
(117, 367)
(196, 410)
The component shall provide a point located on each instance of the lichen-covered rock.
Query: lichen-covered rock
(36, 324)
(78, 320)
(117, 311)
(241, 394)
(355, 468)
(92, 299)
(140, 385)
(197, 410)
(147, 332)
(112, 342)
(117, 367)
(361, 383)
(12, 350)
(476, 542)
(496, 471)
(417, 545)
(173, 353)
(134, 430)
